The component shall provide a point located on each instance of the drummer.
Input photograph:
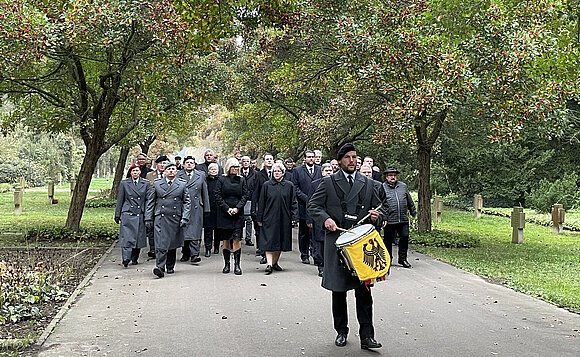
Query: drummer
(341, 200)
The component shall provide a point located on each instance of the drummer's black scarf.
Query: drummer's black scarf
(347, 222)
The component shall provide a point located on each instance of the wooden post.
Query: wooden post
(477, 206)
(50, 191)
(438, 207)
(18, 201)
(518, 225)
(73, 183)
(558, 215)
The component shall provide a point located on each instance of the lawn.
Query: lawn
(546, 265)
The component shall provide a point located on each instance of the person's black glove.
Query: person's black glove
(149, 224)
(117, 220)
(183, 223)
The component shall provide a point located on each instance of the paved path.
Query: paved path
(430, 310)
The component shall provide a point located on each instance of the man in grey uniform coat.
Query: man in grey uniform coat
(197, 187)
(170, 205)
(341, 200)
(130, 213)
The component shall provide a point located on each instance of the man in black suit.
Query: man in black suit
(302, 179)
(142, 162)
(341, 200)
(376, 173)
(251, 177)
(264, 175)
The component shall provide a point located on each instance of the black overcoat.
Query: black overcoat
(324, 204)
(210, 219)
(277, 208)
(230, 192)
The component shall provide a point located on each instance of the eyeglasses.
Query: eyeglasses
(279, 171)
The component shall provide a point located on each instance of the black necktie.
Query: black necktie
(135, 182)
(169, 183)
(350, 180)
(269, 174)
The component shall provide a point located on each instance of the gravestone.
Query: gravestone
(558, 216)
(438, 207)
(477, 206)
(18, 191)
(518, 225)
(50, 191)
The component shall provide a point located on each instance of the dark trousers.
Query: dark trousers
(304, 236)
(190, 248)
(318, 252)
(364, 311)
(248, 223)
(402, 231)
(129, 253)
(165, 258)
(210, 237)
(256, 233)
(150, 238)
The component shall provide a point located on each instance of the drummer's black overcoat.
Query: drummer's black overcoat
(325, 203)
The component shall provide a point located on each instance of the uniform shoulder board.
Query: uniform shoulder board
(159, 178)
(181, 179)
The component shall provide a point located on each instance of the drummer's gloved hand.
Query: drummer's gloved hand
(149, 224)
(183, 223)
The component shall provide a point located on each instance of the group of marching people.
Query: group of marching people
(176, 204)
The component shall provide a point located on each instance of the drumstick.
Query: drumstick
(344, 230)
(368, 215)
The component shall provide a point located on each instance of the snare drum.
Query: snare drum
(363, 252)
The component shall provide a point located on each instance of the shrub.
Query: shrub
(100, 202)
(445, 239)
(60, 233)
(546, 193)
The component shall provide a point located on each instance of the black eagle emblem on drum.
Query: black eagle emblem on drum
(374, 257)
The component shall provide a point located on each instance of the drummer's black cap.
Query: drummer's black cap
(343, 150)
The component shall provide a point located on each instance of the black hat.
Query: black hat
(189, 157)
(343, 150)
(178, 158)
(161, 158)
(391, 169)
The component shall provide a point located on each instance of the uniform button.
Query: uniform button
(138, 206)
(162, 206)
(137, 214)
(138, 197)
(162, 215)
(131, 206)
(174, 207)
(173, 215)
(195, 207)
(175, 198)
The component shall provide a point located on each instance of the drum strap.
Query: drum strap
(340, 195)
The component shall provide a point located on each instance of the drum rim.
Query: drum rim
(346, 243)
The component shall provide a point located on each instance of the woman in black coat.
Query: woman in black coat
(277, 211)
(231, 194)
(210, 219)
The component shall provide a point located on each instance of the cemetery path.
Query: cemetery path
(432, 309)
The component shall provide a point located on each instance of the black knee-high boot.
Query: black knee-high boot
(237, 257)
(227, 261)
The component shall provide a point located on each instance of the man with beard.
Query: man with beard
(197, 187)
(340, 201)
(302, 179)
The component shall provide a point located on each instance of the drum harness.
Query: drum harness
(346, 216)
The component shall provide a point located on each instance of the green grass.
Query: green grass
(38, 212)
(546, 265)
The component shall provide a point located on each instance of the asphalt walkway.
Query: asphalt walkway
(432, 309)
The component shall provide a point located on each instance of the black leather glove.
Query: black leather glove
(117, 220)
(149, 224)
(183, 223)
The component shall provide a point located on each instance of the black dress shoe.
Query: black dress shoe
(151, 254)
(216, 251)
(126, 263)
(134, 262)
(184, 258)
(340, 340)
(369, 342)
(268, 269)
(207, 253)
(320, 271)
(159, 272)
(277, 267)
(170, 271)
(258, 252)
(305, 261)
(404, 263)
(249, 242)
(196, 259)
(263, 260)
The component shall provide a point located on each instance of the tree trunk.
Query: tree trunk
(146, 144)
(77, 204)
(424, 202)
(119, 171)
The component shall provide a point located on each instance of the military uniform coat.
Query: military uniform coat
(169, 205)
(197, 187)
(130, 209)
(277, 208)
(231, 192)
(325, 203)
